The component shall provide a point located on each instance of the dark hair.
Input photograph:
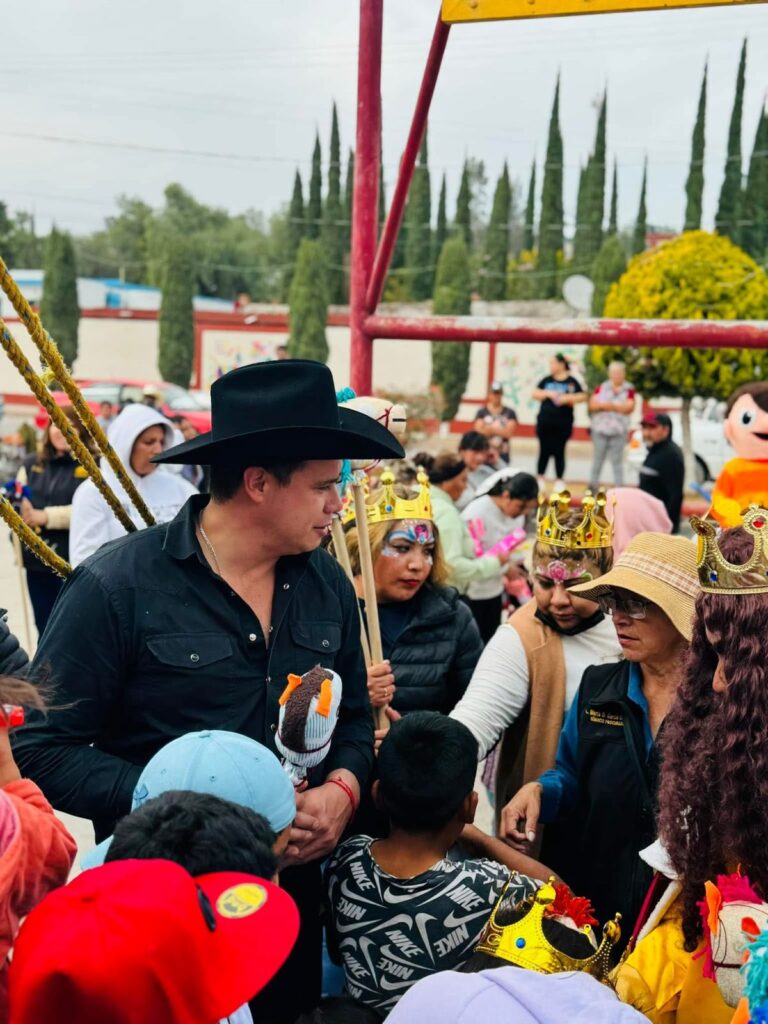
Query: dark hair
(427, 766)
(201, 832)
(341, 1010)
(48, 452)
(714, 777)
(562, 359)
(178, 419)
(473, 441)
(522, 486)
(758, 389)
(226, 480)
(564, 939)
(440, 468)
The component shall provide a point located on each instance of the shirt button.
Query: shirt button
(326, 643)
(268, 679)
(286, 586)
(194, 657)
(252, 637)
(273, 727)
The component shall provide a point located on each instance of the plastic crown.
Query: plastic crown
(389, 506)
(594, 530)
(719, 576)
(524, 943)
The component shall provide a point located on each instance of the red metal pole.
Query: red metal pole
(407, 164)
(629, 333)
(366, 192)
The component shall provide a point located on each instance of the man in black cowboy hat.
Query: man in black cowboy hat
(197, 623)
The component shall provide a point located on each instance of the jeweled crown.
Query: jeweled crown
(594, 530)
(387, 506)
(524, 943)
(719, 576)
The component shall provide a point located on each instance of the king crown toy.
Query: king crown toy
(719, 576)
(594, 530)
(390, 507)
(524, 943)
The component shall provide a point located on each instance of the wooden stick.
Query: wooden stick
(342, 557)
(369, 586)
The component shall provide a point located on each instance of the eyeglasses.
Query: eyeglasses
(634, 607)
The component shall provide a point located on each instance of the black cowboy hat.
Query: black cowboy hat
(285, 409)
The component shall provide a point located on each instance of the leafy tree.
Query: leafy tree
(59, 309)
(551, 220)
(441, 226)
(478, 188)
(21, 246)
(294, 231)
(176, 346)
(314, 211)
(610, 263)
(450, 360)
(493, 282)
(641, 224)
(727, 218)
(694, 185)
(463, 220)
(754, 203)
(333, 228)
(308, 304)
(696, 276)
(418, 237)
(529, 227)
(613, 219)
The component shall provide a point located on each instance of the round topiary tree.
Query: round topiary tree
(697, 276)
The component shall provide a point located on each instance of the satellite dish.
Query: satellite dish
(578, 291)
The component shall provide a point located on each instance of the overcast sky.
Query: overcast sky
(251, 80)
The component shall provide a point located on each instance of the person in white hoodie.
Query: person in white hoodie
(137, 434)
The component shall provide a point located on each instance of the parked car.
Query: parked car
(172, 400)
(710, 448)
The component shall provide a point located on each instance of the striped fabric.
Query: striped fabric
(661, 570)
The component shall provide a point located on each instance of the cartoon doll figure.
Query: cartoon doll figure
(309, 711)
(744, 480)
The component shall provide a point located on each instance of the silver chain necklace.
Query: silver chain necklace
(211, 548)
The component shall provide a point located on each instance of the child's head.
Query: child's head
(426, 773)
(200, 832)
(136, 942)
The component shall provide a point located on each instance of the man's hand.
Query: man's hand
(322, 815)
(520, 818)
(33, 516)
(381, 684)
(379, 734)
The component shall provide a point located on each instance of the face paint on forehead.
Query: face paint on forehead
(415, 531)
(559, 571)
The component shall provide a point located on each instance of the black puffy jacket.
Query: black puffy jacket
(434, 657)
(13, 658)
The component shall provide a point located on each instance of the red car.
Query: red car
(172, 400)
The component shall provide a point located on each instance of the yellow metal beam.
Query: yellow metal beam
(503, 10)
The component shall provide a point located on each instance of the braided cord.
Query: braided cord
(50, 353)
(35, 543)
(65, 425)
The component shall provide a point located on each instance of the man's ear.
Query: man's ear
(468, 808)
(254, 483)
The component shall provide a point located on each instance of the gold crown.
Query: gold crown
(594, 530)
(524, 943)
(719, 576)
(388, 506)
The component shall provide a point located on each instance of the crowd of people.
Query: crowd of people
(285, 824)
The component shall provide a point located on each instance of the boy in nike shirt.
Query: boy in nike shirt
(399, 908)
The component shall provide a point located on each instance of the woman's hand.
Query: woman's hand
(33, 516)
(520, 818)
(381, 684)
(379, 734)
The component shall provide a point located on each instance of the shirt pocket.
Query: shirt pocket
(192, 651)
(314, 643)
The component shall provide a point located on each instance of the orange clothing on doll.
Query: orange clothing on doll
(742, 482)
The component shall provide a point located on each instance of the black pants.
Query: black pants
(552, 442)
(44, 588)
(487, 615)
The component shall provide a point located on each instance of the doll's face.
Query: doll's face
(746, 429)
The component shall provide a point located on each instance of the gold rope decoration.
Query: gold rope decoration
(65, 425)
(36, 544)
(50, 353)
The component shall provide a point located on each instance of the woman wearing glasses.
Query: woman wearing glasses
(601, 794)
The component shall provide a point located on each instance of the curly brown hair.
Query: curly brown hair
(713, 795)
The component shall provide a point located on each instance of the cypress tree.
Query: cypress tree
(727, 219)
(418, 238)
(610, 263)
(580, 230)
(441, 225)
(294, 232)
(613, 220)
(551, 219)
(694, 184)
(308, 304)
(595, 207)
(349, 190)
(493, 283)
(333, 229)
(450, 360)
(529, 228)
(176, 345)
(463, 220)
(754, 206)
(59, 309)
(641, 225)
(314, 211)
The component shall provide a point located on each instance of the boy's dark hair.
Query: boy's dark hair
(426, 768)
(759, 391)
(225, 481)
(201, 832)
(341, 1010)
(522, 486)
(474, 441)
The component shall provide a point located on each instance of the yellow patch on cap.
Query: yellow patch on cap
(241, 900)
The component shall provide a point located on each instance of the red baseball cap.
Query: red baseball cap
(143, 942)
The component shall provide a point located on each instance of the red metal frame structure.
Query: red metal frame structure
(369, 264)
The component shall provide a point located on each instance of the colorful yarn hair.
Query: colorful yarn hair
(577, 908)
(345, 395)
(727, 889)
(756, 970)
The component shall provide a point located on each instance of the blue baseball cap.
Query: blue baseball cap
(224, 764)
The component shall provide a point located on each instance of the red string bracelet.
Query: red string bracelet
(348, 790)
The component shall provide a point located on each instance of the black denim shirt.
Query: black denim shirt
(147, 643)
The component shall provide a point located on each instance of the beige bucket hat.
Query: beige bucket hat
(660, 568)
